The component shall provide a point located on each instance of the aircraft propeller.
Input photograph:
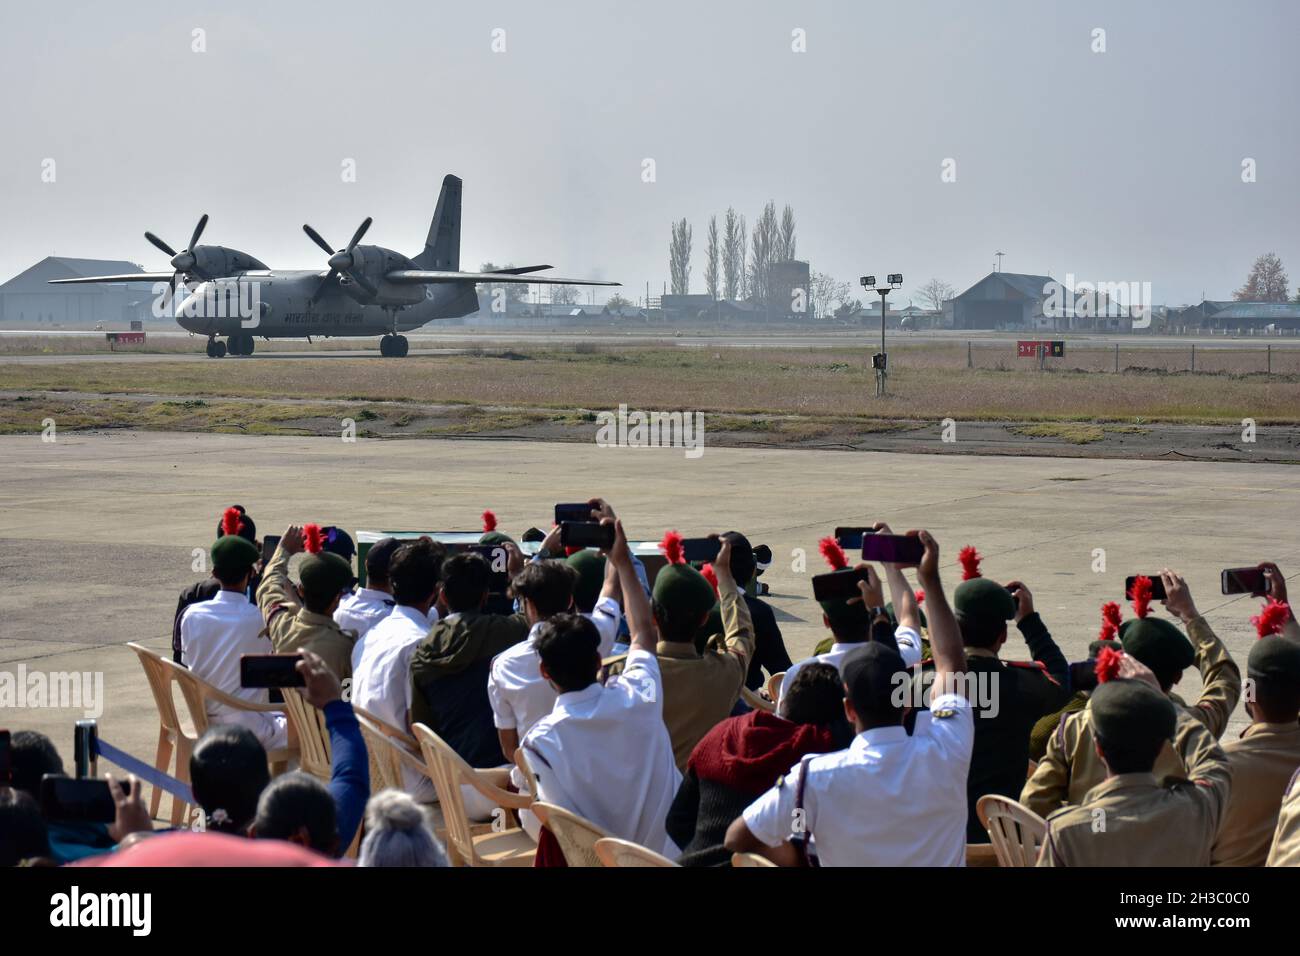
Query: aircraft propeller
(341, 262)
(185, 261)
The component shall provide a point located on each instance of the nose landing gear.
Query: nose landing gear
(394, 346)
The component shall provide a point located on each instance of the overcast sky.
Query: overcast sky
(1117, 166)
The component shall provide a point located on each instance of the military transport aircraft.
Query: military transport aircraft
(366, 291)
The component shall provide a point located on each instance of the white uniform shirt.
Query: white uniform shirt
(888, 800)
(519, 694)
(214, 635)
(909, 647)
(381, 673)
(604, 754)
(361, 610)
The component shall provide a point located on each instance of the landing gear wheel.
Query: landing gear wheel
(213, 346)
(393, 346)
(241, 345)
(386, 346)
(220, 349)
(401, 346)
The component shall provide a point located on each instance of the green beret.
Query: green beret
(324, 575)
(495, 537)
(591, 577)
(1096, 647)
(982, 601)
(1274, 658)
(234, 553)
(679, 588)
(1158, 644)
(1131, 711)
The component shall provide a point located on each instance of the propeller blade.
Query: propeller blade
(361, 231)
(316, 238)
(198, 231)
(320, 289)
(160, 245)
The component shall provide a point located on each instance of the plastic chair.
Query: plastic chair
(576, 835)
(1016, 831)
(611, 851)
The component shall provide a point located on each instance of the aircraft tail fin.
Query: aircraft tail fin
(442, 247)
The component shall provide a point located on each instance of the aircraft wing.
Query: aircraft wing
(129, 277)
(520, 270)
(418, 276)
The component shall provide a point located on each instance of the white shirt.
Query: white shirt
(909, 647)
(519, 694)
(361, 610)
(214, 635)
(888, 800)
(604, 754)
(381, 671)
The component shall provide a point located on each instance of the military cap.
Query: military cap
(1274, 657)
(680, 588)
(1131, 712)
(1096, 647)
(591, 576)
(1157, 643)
(980, 600)
(490, 533)
(233, 552)
(324, 575)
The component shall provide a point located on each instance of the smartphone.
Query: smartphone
(78, 800)
(1157, 587)
(838, 584)
(270, 670)
(850, 539)
(892, 548)
(6, 760)
(1083, 675)
(1244, 581)
(498, 559)
(269, 544)
(587, 534)
(573, 511)
(700, 549)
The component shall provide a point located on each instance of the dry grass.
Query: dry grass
(813, 383)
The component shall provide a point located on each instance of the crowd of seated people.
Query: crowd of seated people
(664, 709)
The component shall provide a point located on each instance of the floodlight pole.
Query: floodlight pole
(880, 373)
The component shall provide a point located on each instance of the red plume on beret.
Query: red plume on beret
(489, 521)
(230, 519)
(1272, 618)
(920, 595)
(1108, 664)
(711, 576)
(833, 553)
(671, 546)
(313, 539)
(1141, 596)
(1110, 621)
(970, 562)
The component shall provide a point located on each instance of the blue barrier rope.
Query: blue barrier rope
(149, 774)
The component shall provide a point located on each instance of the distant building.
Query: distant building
(1001, 300)
(27, 300)
(1232, 316)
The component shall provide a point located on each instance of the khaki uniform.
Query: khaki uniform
(292, 627)
(701, 689)
(1133, 820)
(1263, 761)
(1071, 768)
(1286, 841)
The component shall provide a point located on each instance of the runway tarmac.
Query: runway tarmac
(455, 341)
(100, 530)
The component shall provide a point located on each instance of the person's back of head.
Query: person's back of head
(228, 773)
(1273, 671)
(1160, 645)
(323, 577)
(378, 560)
(297, 807)
(32, 755)
(1131, 722)
(398, 833)
(590, 568)
(23, 835)
(547, 584)
(569, 648)
(875, 678)
(466, 578)
(982, 608)
(743, 563)
(815, 696)
(414, 570)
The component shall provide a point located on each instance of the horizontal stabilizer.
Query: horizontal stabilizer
(419, 276)
(129, 277)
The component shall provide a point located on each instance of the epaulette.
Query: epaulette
(276, 609)
(1034, 666)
